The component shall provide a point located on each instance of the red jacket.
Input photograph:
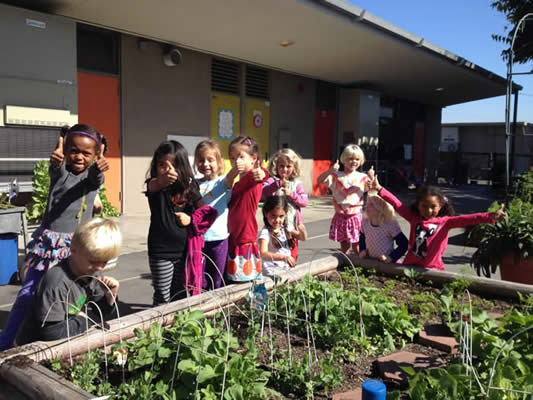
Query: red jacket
(245, 197)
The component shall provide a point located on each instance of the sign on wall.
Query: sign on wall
(226, 124)
(257, 118)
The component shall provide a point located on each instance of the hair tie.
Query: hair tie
(445, 199)
(249, 141)
(98, 141)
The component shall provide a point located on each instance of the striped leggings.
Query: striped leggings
(167, 279)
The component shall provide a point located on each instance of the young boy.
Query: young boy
(58, 308)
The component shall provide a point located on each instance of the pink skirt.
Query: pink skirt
(345, 228)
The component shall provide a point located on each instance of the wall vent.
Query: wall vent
(32, 116)
(224, 76)
(256, 82)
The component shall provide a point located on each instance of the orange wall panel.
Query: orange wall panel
(99, 106)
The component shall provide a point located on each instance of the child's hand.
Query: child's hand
(335, 167)
(240, 165)
(169, 177)
(289, 260)
(183, 219)
(371, 173)
(363, 254)
(57, 157)
(385, 259)
(110, 285)
(499, 214)
(373, 184)
(300, 234)
(285, 186)
(101, 162)
(258, 172)
(97, 206)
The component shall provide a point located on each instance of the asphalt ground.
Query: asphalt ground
(134, 274)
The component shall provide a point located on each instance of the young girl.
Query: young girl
(380, 230)
(348, 189)
(173, 196)
(76, 172)
(216, 192)
(431, 218)
(244, 263)
(275, 239)
(284, 167)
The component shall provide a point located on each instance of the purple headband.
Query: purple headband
(97, 140)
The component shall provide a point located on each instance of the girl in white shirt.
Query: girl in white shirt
(275, 241)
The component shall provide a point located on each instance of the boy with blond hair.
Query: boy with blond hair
(59, 305)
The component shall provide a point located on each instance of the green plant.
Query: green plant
(200, 348)
(302, 378)
(424, 304)
(523, 187)
(108, 209)
(413, 275)
(512, 236)
(513, 369)
(335, 317)
(4, 201)
(41, 186)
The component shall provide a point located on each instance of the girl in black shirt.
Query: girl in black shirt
(173, 196)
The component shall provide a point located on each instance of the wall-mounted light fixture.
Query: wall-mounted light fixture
(171, 56)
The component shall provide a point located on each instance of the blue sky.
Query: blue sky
(463, 27)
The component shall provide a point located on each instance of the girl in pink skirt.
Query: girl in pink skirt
(347, 188)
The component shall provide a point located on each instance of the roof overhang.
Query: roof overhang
(332, 40)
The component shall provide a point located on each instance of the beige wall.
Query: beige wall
(157, 100)
(292, 100)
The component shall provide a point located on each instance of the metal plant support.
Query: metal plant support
(508, 95)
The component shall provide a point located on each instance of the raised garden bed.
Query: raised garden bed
(316, 338)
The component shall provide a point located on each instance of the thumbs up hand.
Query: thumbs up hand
(373, 184)
(101, 161)
(57, 157)
(499, 214)
(240, 165)
(335, 167)
(169, 176)
(371, 173)
(258, 172)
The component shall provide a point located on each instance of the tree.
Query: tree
(514, 11)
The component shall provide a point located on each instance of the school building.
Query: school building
(313, 75)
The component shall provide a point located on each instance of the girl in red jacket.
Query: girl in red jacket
(431, 217)
(244, 261)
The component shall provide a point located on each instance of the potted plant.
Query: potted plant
(507, 244)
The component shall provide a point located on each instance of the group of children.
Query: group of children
(231, 248)
(203, 232)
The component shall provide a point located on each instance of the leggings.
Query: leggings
(167, 279)
(21, 308)
(217, 251)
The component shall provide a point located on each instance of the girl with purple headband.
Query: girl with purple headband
(76, 172)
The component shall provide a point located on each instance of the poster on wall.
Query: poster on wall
(226, 124)
(257, 118)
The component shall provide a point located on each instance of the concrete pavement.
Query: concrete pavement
(134, 274)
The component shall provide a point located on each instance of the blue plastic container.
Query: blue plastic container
(8, 256)
(374, 390)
